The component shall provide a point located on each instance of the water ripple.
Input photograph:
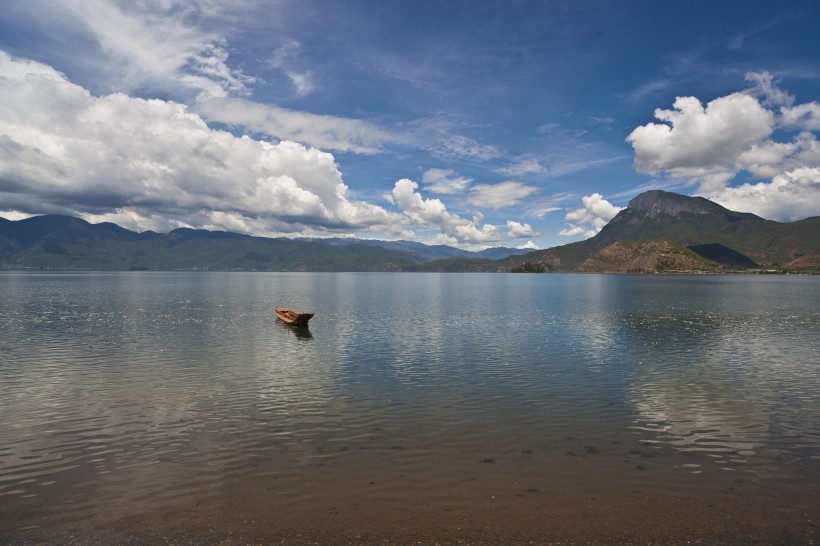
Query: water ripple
(146, 388)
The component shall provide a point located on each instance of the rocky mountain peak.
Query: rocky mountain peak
(657, 202)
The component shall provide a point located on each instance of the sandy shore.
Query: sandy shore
(533, 517)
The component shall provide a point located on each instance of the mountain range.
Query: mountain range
(65, 242)
(658, 231)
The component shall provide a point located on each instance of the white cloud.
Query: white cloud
(326, 132)
(697, 141)
(589, 219)
(178, 48)
(504, 194)
(140, 219)
(602, 120)
(153, 43)
(284, 57)
(738, 133)
(766, 88)
(523, 166)
(284, 54)
(529, 245)
(790, 196)
(577, 231)
(439, 137)
(541, 211)
(465, 147)
(769, 158)
(153, 162)
(454, 230)
(445, 181)
(14, 215)
(302, 81)
(804, 116)
(518, 230)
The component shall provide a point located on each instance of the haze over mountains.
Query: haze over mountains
(659, 231)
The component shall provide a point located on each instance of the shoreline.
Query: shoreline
(668, 273)
(629, 518)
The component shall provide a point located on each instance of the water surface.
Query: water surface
(417, 397)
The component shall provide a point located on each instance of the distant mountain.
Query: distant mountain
(743, 239)
(458, 265)
(424, 253)
(675, 232)
(64, 242)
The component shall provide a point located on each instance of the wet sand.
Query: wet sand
(398, 495)
(514, 515)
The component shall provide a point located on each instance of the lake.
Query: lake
(145, 406)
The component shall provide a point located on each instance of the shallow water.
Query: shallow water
(123, 393)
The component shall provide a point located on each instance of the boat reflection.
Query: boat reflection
(301, 332)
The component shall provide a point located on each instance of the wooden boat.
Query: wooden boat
(289, 316)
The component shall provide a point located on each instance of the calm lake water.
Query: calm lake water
(410, 396)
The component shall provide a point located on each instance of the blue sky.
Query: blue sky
(468, 123)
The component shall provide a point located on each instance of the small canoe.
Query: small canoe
(289, 316)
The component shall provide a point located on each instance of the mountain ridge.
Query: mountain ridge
(724, 240)
(66, 242)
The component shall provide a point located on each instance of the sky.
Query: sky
(523, 124)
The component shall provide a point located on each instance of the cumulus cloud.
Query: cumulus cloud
(178, 49)
(790, 196)
(147, 161)
(529, 245)
(504, 194)
(589, 219)
(454, 230)
(804, 116)
(517, 230)
(697, 141)
(445, 181)
(758, 131)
